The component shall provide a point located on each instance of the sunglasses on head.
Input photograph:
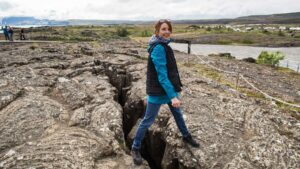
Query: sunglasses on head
(164, 20)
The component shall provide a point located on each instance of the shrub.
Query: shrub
(265, 31)
(122, 32)
(193, 27)
(145, 33)
(280, 33)
(208, 29)
(270, 58)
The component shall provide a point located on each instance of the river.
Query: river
(292, 54)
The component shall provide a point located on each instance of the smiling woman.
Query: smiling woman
(163, 85)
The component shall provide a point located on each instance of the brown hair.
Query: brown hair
(160, 22)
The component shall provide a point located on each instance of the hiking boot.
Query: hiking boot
(189, 139)
(136, 156)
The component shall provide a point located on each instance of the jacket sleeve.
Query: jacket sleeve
(158, 57)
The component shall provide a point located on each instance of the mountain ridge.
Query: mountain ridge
(283, 18)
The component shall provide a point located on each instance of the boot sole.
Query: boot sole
(137, 162)
(195, 146)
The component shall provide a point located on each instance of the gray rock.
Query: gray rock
(62, 111)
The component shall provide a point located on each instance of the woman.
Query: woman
(22, 34)
(5, 31)
(162, 87)
(11, 34)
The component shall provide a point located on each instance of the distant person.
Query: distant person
(163, 85)
(22, 34)
(293, 34)
(11, 34)
(5, 31)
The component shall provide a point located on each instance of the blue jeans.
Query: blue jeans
(149, 117)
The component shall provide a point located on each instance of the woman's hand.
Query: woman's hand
(175, 102)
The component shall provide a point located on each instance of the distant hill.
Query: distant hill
(18, 21)
(285, 18)
(275, 18)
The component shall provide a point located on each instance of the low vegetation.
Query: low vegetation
(270, 58)
(205, 34)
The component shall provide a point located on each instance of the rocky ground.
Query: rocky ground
(279, 82)
(77, 105)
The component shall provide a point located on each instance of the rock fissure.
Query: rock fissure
(121, 80)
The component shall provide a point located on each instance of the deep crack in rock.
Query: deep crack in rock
(153, 146)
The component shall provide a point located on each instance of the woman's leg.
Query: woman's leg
(150, 114)
(177, 113)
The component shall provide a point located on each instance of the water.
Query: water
(292, 54)
(27, 26)
(21, 26)
(30, 26)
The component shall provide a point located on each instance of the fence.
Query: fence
(239, 75)
(291, 64)
(285, 63)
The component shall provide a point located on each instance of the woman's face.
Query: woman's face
(164, 31)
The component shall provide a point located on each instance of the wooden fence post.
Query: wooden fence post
(189, 47)
(237, 80)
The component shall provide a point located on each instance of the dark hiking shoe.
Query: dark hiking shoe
(136, 156)
(189, 139)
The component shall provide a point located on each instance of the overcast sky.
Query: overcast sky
(144, 9)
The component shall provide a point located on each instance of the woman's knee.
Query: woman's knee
(146, 123)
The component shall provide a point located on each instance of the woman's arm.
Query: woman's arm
(158, 57)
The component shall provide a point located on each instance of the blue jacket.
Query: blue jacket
(5, 30)
(158, 57)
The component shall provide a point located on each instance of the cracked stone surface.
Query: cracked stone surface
(60, 109)
(66, 105)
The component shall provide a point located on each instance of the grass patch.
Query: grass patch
(224, 41)
(34, 46)
(205, 71)
(293, 111)
(247, 41)
(251, 93)
(287, 70)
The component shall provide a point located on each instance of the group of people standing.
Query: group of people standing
(9, 33)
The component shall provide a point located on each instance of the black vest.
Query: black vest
(153, 87)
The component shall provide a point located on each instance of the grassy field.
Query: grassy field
(218, 34)
(204, 34)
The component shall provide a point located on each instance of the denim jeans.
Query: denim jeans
(149, 117)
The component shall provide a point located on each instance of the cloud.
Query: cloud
(5, 6)
(145, 9)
